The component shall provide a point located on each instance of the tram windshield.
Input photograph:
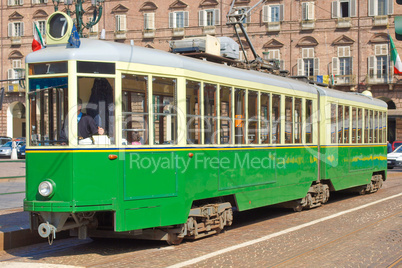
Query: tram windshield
(48, 104)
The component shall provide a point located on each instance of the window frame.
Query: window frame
(173, 18)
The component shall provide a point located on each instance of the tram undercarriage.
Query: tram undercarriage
(202, 221)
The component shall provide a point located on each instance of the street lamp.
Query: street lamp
(79, 12)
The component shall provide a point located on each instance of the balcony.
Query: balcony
(380, 20)
(178, 32)
(120, 35)
(308, 24)
(16, 40)
(372, 79)
(148, 33)
(344, 80)
(209, 30)
(274, 26)
(344, 23)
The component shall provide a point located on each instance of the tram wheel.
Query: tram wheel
(298, 208)
(173, 239)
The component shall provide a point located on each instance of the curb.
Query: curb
(18, 238)
(24, 237)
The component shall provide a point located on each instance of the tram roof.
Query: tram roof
(99, 50)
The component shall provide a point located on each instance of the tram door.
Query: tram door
(143, 169)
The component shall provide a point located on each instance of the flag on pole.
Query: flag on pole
(395, 58)
(74, 40)
(38, 42)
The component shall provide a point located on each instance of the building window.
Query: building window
(16, 72)
(149, 21)
(94, 28)
(344, 8)
(272, 13)
(120, 23)
(209, 17)
(178, 19)
(342, 66)
(382, 66)
(15, 29)
(41, 24)
(15, 2)
(242, 10)
(308, 65)
(274, 55)
(380, 7)
(308, 11)
(378, 65)
(37, 2)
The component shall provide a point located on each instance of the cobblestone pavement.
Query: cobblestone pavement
(11, 189)
(366, 237)
(10, 168)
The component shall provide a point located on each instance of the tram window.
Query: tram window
(225, 115)
(371, 116)
(210, 114)
(359, 125)
(366, 126)
(165, 110)
(354, 125)
(276, 119)
(298, 120)
(135, 129)
(239, 115)
(97, 96)
(380, 127)
(384, 127)
(340, 124)
(96, 67)
(48, 68)
(193, 112)
(48, 111)
(288, 120)
(334, 133)
(309, 121)
(252, 117)
(375, 127)
(265, 118)
(346, 124)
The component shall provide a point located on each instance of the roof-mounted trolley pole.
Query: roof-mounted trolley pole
(235, 17)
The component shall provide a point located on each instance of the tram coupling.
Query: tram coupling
(53, 223)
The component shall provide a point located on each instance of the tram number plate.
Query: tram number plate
(389, 162)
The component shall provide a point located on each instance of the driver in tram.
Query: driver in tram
(86, 126)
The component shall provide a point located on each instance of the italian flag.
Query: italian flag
(395, 58)
(38, 41)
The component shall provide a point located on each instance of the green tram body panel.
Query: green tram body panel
(150, 188)
(358, 162)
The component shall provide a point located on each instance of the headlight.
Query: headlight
(45, 188)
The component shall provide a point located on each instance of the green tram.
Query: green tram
(185, 142)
